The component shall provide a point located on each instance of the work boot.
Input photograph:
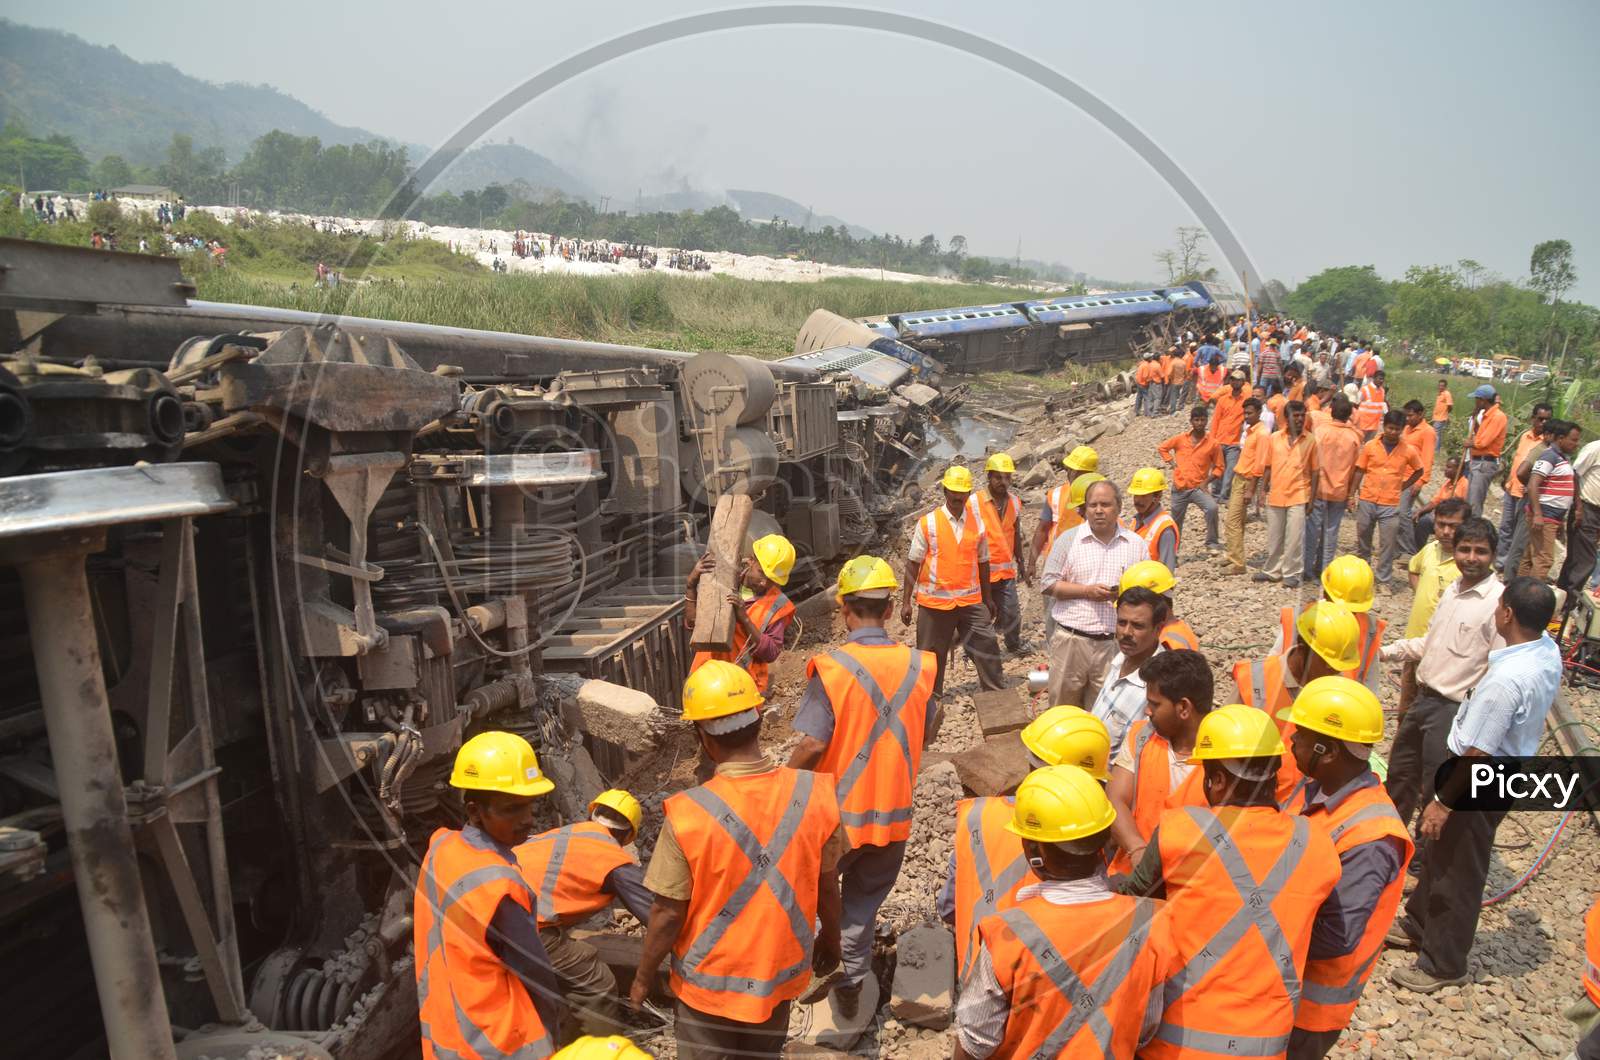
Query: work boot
(1421, 982)
(847, 1000)
(1399, 936)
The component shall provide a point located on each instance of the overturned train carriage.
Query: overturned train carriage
(1032, 335)
(262, 572)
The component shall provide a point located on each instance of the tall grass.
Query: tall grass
(757, 317)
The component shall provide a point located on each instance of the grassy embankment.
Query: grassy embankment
(663, 311)
(1406, 383)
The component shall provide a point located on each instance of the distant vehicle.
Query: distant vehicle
(1537, 374)
(1483, 370)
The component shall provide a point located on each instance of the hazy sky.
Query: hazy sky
(1383, 133)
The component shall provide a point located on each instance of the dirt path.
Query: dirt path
(1529, 952)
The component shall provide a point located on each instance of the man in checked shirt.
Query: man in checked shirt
(1080, 582)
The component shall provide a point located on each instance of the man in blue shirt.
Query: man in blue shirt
(1503, 717)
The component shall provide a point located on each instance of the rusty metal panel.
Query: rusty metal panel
(632, 634)
(804, 418)
(51, 277)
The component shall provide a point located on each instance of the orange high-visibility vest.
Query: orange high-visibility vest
(469, 1003)
(990, 869)
(754, 847)
(568, 866)
(1179, 634)
(1371, 640)
(949, 575)
(1002, 531)
(1078, 978)
(1062, 515)
(1260, 684)
(1591, 967)
(1243, 888)
(880, 710)
(1369, 415)
(1153, 793)
(1333, 985)
(772, 606)
(1210, 380)
(1151, 532)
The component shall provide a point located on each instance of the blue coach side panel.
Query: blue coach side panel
(964, 320)
(1085, 308)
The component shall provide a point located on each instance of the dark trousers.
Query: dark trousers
(1311, 1045)
(1442, 913)
(1004, 593)
(1589, 1047)
(1581, 552)
(1420, 748)
(703, 1036)
(970, 627)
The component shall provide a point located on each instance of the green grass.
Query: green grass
(756, 317)
(1406, 383)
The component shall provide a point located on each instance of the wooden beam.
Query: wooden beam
(714, 623)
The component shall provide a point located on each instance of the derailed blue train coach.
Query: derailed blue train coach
(1031, 335)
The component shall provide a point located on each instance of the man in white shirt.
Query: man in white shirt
(1583, 529)
(1081, 580)
(1451, 657)
(1140, 615)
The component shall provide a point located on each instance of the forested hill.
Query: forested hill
(111, 104)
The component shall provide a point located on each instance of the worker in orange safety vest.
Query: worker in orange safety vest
(1059, 513)
(987, 866)
(1348, 580)
(760, 608)
(578, 870)
(1157, 577)
(1372, 403)
(1072, 969)
(485, 988)
(947, 571)
(744, 875)
(1152, 773)
(1327, 642)
(1243, 882)
(1008, 563)
(1150, 520)
(864, 719)
(1337, 722)
(1586, 1013)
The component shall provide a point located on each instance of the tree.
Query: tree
(958, 246)
(1551, 269)
(192, 174)
(54, 163)
(112, 171)
(1186, 260)
(1334, 297)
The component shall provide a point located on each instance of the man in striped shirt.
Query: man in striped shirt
(1551, 491)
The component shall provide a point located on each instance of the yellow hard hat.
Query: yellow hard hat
(1236, 731)
(1332, 632)
(499, 761)
(1080, 488)
(1000, 462)
(867, 574)
(717, 689)
(1070, 736)
(1083, 458)
(1152, 574)
(775, 556)
(1337, 707)
(1348, 579)
(591, 1047)
(621, 802)
(1147, 480)
(1058, 804)
(957, 479)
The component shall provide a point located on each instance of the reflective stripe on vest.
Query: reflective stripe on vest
(764, 871)
(1152, 531)
(1088, 1002)
(887, 722)
(1255, 909)
(439, 903)
(1178, 634)
(948, 581)
(569, 866)
(1591, 968)
(1002, 531)
(992, 889)
(1333, 985)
